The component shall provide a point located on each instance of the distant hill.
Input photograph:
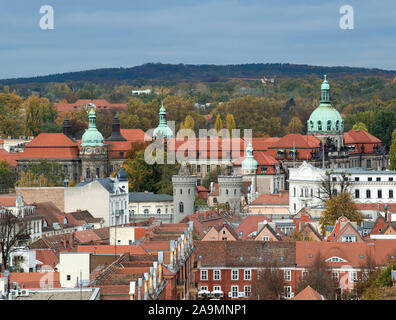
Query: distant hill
(188, 72)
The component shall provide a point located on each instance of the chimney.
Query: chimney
(132, 285)
(150, 280)
(155, 274)
(140, 281)
(160, 262)
(145, 286)
(66, 128)
(172, 249)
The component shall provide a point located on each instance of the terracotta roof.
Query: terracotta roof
(298, 140)
(309, 294)
(262, 143)
(376, 206)
(360, 136)
(249, 225)
(51, 140)
(101, 104)
(50, 212)
(281, 198)
(86, 236)
(33, 280)
(8, 200)
(215, 192)
(110, 249)
(47, 257)
(134, 134)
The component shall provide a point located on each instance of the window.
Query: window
(357, 195)
(189, 191)
(378, 179)
(390, 193)
(97, 172)
(68, 277)
(390, 179)
(208, 168)
(287, 292)
(234, 274)
(198, 168)
(216, 288)
(353, 276)
(247, 290)
(158, 211)
(181, 191)
(248, 274)
(368, 163)
(216, 275)
(356, 178)
(226, 191)
(267, 238)
(369, 179)
(320, 125)
(287, 274)
(88, 173)
(146, 211)
(294, 192)
(379, 194)
(335, 276)
(335, 259)
(204, 288)
(181, 207)
(204, 275)
(368, 193)
(304, 275)
(234, 290)
(348, 238)
(328, 125)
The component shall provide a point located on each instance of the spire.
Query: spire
(325, 89)
(116, 130)
(92, 137)
(66, 127)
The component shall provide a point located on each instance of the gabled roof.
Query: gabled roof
(249, 225)
(309, 294)
(270, 229)
(47, 257)
(307, 225)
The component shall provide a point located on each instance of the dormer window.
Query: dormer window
(280, 153)
(335, 259)
(328, 125)
(319, 125)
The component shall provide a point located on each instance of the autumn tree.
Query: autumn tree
(360, 126)
(332, 185)
(269, 283)
(188, 123)
(230, 123)
(337, 206)
(7, 177)
(295, 125)
(318, 277)
(218, 124)
(37, 112)
(43, 173)
(392, 152)
(13, 234)
(11, 115)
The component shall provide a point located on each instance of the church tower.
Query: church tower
(163, 130)
(93, 152)
(184, 185)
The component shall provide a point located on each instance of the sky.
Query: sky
(90, 34)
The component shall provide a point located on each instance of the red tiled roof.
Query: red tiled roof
(309, 294)
(134, 134)
(281, 198)
(101, 104)
(360, 136)
(298, 140)
(262, 143)
(47, 257)
(249, 225)
(110, 249)
(33, 280)
(86, 236)
(375, 207)
(8, 200)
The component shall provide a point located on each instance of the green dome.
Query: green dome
(249, 163)
(325, 118)
(92, 137)
(162, 129)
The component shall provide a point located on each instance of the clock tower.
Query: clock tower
(93, 152)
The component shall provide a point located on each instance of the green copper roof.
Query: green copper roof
(325, 118)
(91, 136)
(162, 129)
(249, 163)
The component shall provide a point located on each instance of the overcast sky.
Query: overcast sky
(93, 34)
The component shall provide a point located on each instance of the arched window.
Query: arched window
(181, 191)
(319, 125)
(146, 211)
(158, 211)
(337, 125)
(311, 124)
(188, 191)
(234, 191)
(226, 191)
(294, 192)
(181, 207)
(328, 125)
